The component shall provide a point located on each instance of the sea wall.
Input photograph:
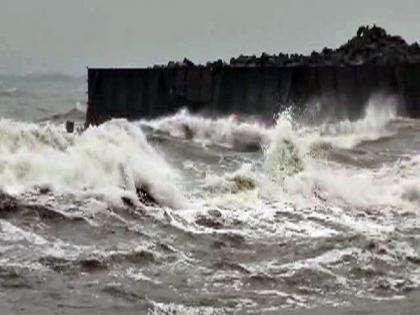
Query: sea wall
(262, 91)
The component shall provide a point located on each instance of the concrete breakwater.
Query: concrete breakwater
(337, 81)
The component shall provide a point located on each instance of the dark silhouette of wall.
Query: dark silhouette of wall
(262, 91)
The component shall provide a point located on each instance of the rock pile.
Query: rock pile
(371, 45)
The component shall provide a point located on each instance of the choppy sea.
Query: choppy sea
(192, 215)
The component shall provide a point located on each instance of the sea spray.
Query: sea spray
(33, 155)
(339, 231)
(229, 132)
(283, 157)
(297, 164)
(373, 125)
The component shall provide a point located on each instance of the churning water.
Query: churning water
(190, 215)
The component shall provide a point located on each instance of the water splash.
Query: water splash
(110, 159)
(227, 132)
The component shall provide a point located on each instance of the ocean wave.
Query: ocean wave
(114, 163)
(237, 132)
(227, 132)
(112, 159)
(285, 224)
(296, 166)
(374, 125)
(295, 163)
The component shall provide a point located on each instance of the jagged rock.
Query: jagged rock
(370, 45)
(188, 63)
(218, 64)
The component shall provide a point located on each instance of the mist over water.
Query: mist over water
(35, 97)
(192, 215)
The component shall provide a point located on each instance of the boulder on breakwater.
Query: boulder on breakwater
(336, 82)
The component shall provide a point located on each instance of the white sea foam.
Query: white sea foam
(291, 171)
(227, 132)
(290, 163)
(113, 159)
(110, 159)
(233, 132)
(14, 234)
(163, 309)
(292, 175)
(374, 124)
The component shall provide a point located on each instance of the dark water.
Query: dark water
(187, 215)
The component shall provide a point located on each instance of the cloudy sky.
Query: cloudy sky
(68, 35)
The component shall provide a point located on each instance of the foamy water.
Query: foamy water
(192, 215)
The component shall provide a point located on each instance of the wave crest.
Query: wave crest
(112, 159)
(227, 132)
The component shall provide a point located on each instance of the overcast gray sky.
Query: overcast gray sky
(68, 35)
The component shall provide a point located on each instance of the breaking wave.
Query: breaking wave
(187, 214)
(237, 132)
(296, 167)
(227, 132)
(112, 159)
(256, 211)
(115, 158)
(374, 124)
(295, 161)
